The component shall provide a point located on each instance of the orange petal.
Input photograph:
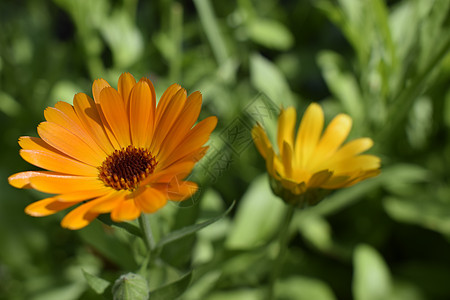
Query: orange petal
(152, 121)
(89, 116)
(171, 113)
(166, 175)
(183, 124)
(79, 217)
(97, 87)
(149, 200)
(72, 124)
(125, 211)
(165, 99)
(141, 113)
(125, 85)
(83, 195)
(68, 110)
(46, 207)
(58, 163)
(179, 191)
(308, 134)
(22, 180)
(108, 202)
(286, 124)
(196, 138)
(116, 115)
(59, 184)
(194, 156)
(69, 143)
(34, 143)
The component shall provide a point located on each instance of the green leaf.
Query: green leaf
(316, 230)
(427, 212)
(108, 245)
(342, 83)
(130, 228)
(130, 286)
(172, 290)
(96, 283)
(303, 288)
(271, 34)
(372, 279)
(178, 234)
(258, 216)
(267, 78)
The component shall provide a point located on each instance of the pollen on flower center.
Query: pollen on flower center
(125, 168)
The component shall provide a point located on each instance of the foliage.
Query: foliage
(385, 63)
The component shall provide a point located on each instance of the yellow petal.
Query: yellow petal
(261, 140)
(308, 135)
(319, 178)
(333, 137)
(286, 124)
(287, 159)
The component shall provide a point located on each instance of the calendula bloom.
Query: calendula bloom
(313, 163)
(118, 153)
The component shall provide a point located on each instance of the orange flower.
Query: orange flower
(119, 153)
(313, 162)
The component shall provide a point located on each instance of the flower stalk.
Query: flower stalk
(282, 248)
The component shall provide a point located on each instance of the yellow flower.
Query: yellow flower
(314, 163)
(119, 153)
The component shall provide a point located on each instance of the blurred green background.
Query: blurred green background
(385, 63)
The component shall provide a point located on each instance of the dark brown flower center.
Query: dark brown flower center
(125, 168)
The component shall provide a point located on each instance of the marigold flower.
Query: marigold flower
(310, 165)
(119, 153)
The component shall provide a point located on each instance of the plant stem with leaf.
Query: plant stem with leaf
(283, 244)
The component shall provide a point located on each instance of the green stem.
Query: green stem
(283, 243)
(144, 223)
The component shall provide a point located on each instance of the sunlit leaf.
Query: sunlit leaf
(96, 283)
(371, 279)
(270, 34)
(172, 290)
(258, 216)
(303, 288)
(130, 287)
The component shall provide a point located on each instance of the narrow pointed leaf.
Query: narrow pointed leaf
(178, 234)
(98, 284)
(172, 290)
